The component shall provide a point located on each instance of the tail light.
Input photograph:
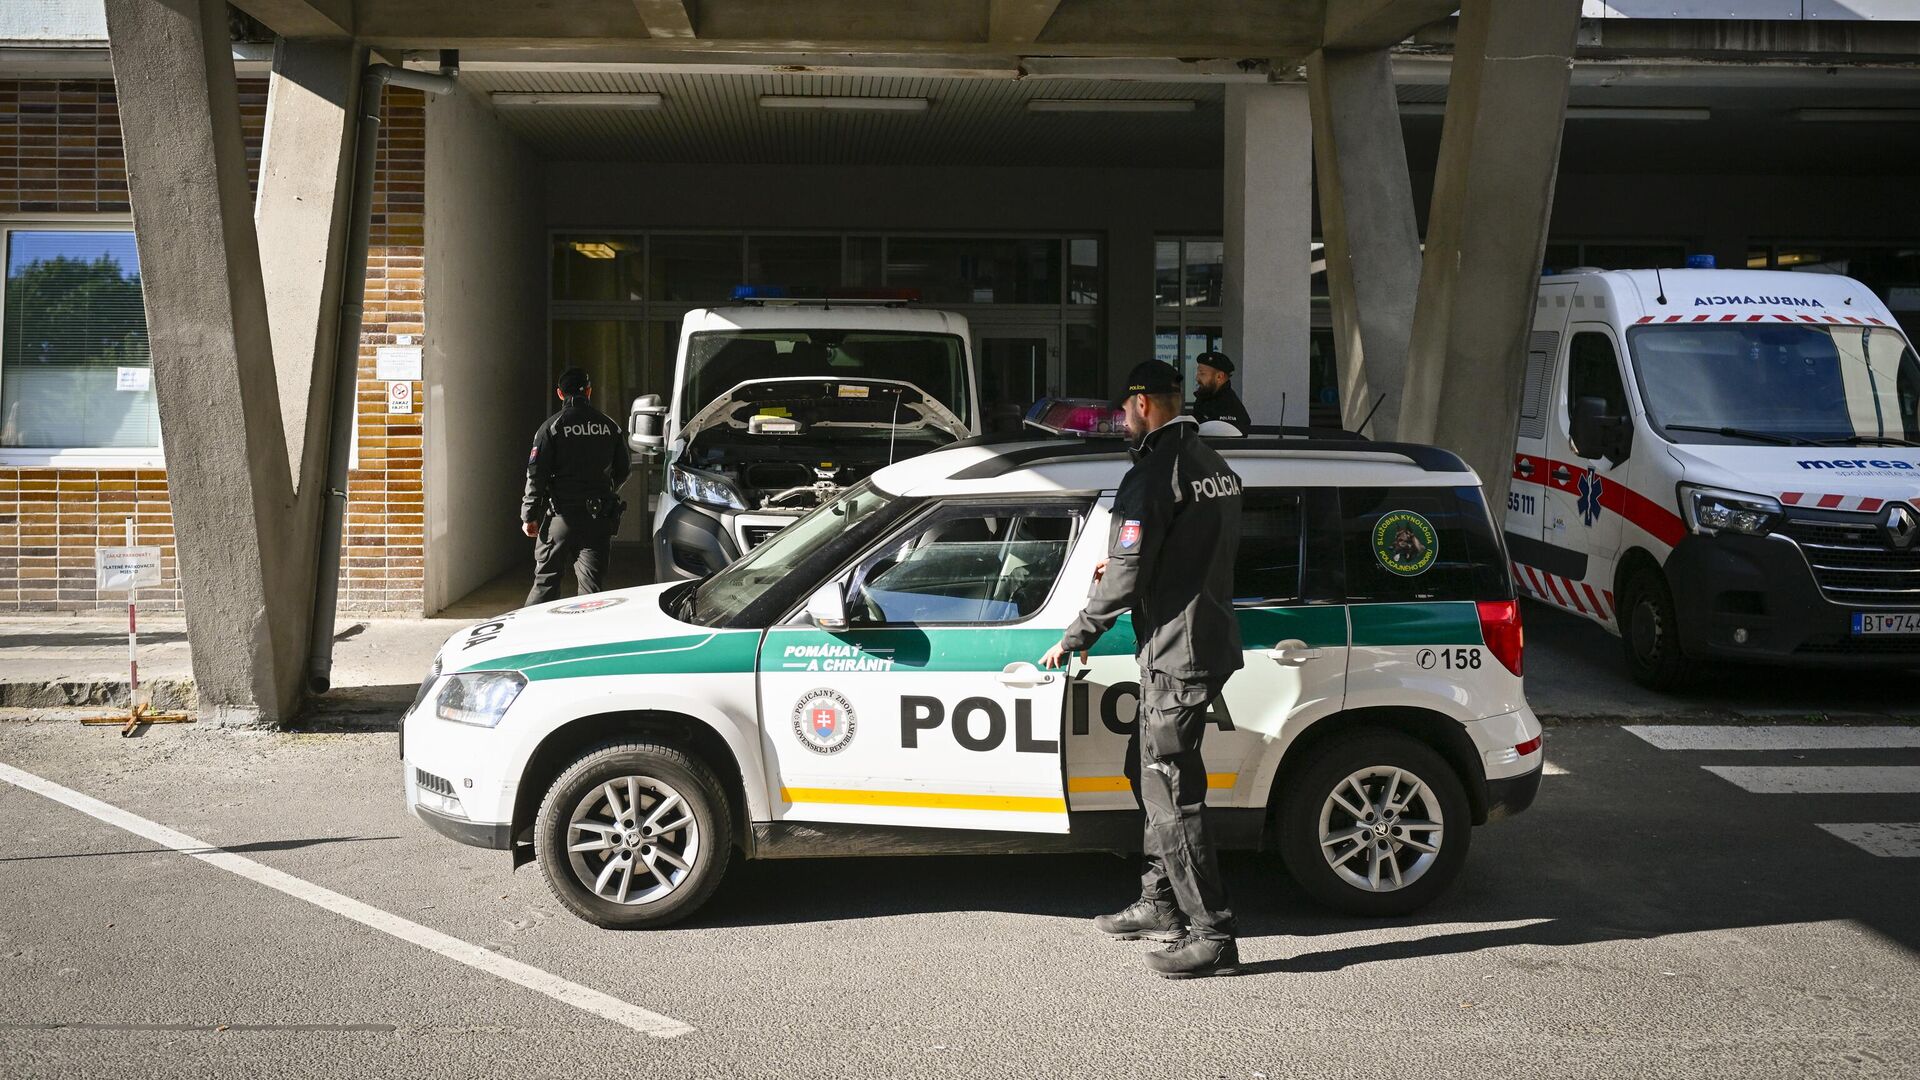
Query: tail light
(1500, 627)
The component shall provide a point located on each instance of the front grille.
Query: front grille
(1854, 563)
(430, 782)
(755, 535)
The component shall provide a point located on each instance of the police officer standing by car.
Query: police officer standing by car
(1170, 555)
(572, 503)
(1213, 396)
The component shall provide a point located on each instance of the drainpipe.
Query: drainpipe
(346, 372)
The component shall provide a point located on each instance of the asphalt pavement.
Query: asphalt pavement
(1678, 903)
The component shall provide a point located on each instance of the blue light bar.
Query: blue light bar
(1701, 262)
(760, 292)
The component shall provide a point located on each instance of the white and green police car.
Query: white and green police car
(865, 683)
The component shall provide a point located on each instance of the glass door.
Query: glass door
(1018, 366)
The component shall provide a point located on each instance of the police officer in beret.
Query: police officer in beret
(572, 503)
(1170, 555)
(1213, 396)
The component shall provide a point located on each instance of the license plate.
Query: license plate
(1895, 622)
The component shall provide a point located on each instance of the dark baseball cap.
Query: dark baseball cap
(1149, 377)
(574, 381)
(1218, 361)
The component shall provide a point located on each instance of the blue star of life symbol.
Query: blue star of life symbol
(1590, 487)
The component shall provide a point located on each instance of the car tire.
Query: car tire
(655, 865)
(1650, 632)
(1338, 874)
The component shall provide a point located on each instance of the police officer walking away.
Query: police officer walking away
(1170, 555)
(1213, 397)
(572, 504)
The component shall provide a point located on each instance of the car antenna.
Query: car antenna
(893, 426)
(1658, 280)
(1376, 408)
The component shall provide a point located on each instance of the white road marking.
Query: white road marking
(1554, 770)
(1776, 737)
(1887, 839)
(593, 1001)
(1822, 779)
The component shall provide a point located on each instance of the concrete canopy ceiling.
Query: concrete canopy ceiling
(1270, 29)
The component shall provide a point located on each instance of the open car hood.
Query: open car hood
(827, 404)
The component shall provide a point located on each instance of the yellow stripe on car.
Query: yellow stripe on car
(930, 800)
(1082, 785)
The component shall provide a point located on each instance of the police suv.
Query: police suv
(1722, 464)
(865, 683)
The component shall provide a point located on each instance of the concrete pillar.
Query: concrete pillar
(1486, 232)
(245, 570)
(1367, 222)
(1269, 237)
(306, 184)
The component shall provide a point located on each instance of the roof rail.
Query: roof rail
(1428, 458)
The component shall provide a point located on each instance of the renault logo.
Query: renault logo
(1902, 526)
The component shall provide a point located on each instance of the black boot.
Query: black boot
(1145, 919)
(1196, 957)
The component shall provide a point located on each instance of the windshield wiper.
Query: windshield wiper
(1877, 440)
(1743, 433)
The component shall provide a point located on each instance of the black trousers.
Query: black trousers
(1170, 781)
(577, 539)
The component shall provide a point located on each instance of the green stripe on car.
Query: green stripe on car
(1437, 623)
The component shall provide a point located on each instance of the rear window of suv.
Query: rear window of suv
(1412, 544)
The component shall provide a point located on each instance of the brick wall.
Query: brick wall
(61, 152)
(383, 566)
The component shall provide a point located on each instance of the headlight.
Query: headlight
(701, 487)
(426, 684)
(1711, 510)
(478, 697)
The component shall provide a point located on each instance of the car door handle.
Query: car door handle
(1024, 674)
(1293, 651)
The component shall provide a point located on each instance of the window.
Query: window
(598, 268)
(1420, 543)
(1593, 370)
(968, 566)
(968, 270)
(796, 261)
(75, 373)
(694, 268)
(1267, 568)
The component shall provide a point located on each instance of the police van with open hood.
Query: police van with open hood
(865, 682)
(784, 400)
(1722, 465)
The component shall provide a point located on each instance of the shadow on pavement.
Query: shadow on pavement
(1632, 844)
(237, 849)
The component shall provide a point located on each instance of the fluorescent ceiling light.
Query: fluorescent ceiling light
(597, 249)
(1882, 116)
(1634, 112)
(1583, 112)
(577, 101)
(848, 104)
(1111, 105)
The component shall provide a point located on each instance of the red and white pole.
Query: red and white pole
(133, 641)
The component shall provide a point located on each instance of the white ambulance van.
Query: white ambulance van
(1721, 465)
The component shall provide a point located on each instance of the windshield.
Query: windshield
(1796, 382)
(723, 597)
(719, 360)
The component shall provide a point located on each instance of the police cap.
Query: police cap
(574, 381)
(1149, 377)
(1218, 361)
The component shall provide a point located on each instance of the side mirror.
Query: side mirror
(646, 424)
(827, 607)
(1596, 434)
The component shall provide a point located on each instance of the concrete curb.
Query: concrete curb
(70, 693)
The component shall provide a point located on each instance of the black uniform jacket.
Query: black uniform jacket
(579, 461)
(1170, 552)
(1223, 405)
